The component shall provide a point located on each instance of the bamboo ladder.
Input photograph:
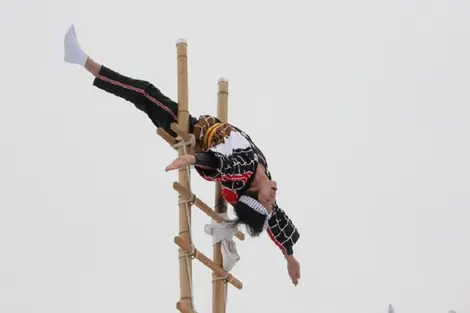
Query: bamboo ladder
(186, 199)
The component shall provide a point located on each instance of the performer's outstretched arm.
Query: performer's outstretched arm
(232, 160)
(282, 231)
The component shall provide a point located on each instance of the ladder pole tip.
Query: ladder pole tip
(181, 41)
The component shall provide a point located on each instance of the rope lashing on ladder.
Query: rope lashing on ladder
(182, 143)
(190, 201)
(216, 278)
(193, 254)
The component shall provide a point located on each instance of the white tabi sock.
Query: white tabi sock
(73, 53)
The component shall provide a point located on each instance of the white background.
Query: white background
(360, 106)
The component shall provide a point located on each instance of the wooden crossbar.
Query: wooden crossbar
(219, 271)
(204, 207)
(166, 136)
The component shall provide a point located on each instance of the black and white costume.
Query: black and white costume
(228, 155)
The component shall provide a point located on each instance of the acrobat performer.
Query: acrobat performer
(223, 153)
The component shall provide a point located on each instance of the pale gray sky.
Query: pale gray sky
(360, 106)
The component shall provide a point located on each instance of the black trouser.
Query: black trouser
(146, 97)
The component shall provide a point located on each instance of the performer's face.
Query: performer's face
(267, 194)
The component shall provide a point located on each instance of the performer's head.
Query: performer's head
(251, 213)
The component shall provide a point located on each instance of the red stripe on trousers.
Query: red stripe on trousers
(141, 91)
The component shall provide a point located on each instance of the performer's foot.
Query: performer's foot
(73, 53)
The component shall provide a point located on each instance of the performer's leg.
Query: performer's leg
(145, 96)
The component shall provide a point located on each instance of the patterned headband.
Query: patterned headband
(255, 205)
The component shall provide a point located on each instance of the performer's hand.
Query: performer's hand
(181, 161)
(293, 267)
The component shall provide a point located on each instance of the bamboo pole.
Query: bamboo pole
(219, 285)
(180, 308)
(185, 264)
